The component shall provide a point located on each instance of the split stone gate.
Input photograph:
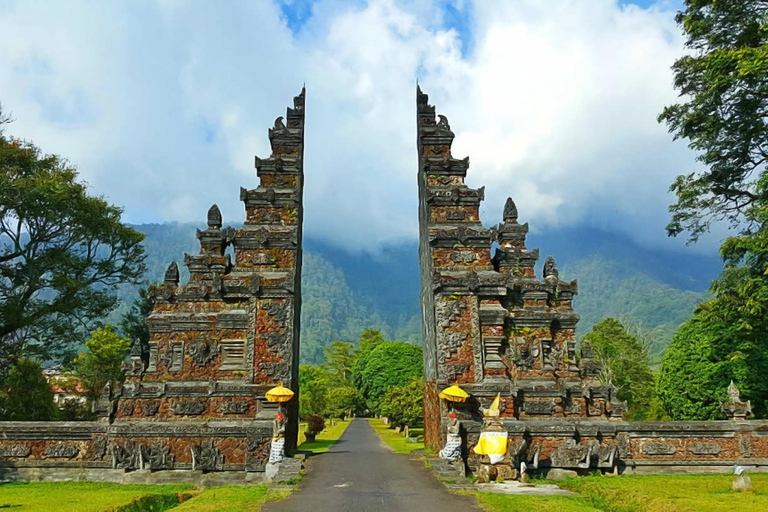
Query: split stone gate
(194, 407)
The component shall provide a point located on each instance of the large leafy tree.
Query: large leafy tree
(102, 361)
(313, 391)
(339, 361)
(27, 394)
(403, 405)
(726, 338)
(392, 363)
(625, 363)
(62, 253)
(723, 79)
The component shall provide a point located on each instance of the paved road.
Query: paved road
(360, 473)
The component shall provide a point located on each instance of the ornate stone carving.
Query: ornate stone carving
(214, 217)
(734, 408)
(156, 456)
(172, 274)
(658, 448)
(539, 406)
(234, 407)
(202, 350)
(704, 448)
(206, 457)
(188, 408)
(15, 450)
(61, 451)
(443, 128)
(550, 268)
(510, 211)
(126, 409)
(100, 447)
(745, 446)
(150, 408)
(572, 455)
(125, 456)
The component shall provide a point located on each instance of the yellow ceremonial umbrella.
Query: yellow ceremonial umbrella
(279, 394)
(454, 394)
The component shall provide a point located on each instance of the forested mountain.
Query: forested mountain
(345, 292)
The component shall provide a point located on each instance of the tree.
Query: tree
(403, 405)
(724, 79)
(369, 340)
(392, 363)
(62, 253)
(313, 391)
(339, 360)
(102, 363)
(28, 396)
(133, 324)
(718, 344)
(625, 363)
(343, 401)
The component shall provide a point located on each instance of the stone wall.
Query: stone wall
(639, 447)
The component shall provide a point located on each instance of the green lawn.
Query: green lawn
(231, 499)
(397, 441)
(90, 496)
(324, 439)
(504, 503)
(640, 493)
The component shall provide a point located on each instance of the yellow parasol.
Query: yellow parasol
(279, 394)
(454, 394)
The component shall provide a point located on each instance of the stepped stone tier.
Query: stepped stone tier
(196, 400)
(492, 326)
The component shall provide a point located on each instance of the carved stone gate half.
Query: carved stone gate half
(489, 324)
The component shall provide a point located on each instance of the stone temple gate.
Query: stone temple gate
(493, 327)
(194, 407)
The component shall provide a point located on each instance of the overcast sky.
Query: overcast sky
(162, 104)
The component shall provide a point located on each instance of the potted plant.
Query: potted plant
(315, 425)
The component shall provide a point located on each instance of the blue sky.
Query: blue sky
(162, 104)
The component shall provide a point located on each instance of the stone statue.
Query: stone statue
(276, 453)
(734, 408)
(452, 450)
(550, 268)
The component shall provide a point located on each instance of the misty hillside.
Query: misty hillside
(343, 293)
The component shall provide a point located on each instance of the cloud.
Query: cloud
(162, 105)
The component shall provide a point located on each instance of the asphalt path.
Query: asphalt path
(361, 473)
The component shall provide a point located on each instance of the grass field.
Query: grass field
(324, 439)
(231, 499)
(397, 441)
(91, 497)
(641, 493)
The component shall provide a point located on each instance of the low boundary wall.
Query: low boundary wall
(630, 447)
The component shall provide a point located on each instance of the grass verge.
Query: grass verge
(231, 499)
(394, 440)
(324, 439)
(640, 493)
(91, 497)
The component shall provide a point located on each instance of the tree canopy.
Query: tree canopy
(625, 363)
(102, 362)
(391, 363)
(62, 253)
(27, 394)
(724, 81)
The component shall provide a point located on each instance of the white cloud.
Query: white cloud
(163, 105)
